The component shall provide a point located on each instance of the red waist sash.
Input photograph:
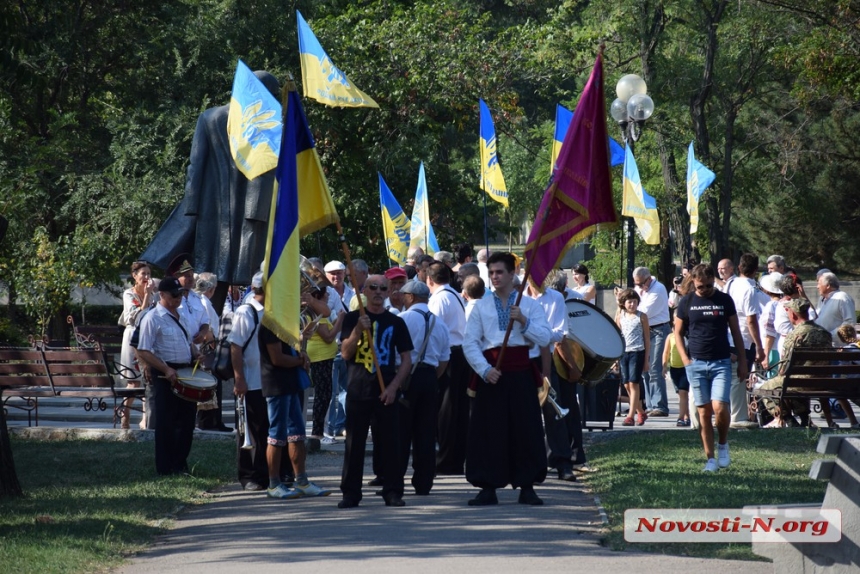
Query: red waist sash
(516, 359)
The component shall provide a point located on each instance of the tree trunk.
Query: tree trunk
(9, 484)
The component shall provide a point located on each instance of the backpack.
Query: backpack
(222, 364)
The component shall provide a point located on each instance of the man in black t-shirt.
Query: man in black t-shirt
(281, 375)
(702, 317)
(364, 399)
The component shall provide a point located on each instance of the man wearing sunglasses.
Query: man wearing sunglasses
(703, 317)
(364, 401)
(165, 346)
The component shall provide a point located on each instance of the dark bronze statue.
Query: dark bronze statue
(223, 218)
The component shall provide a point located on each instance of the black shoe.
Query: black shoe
(422, 492)
(567, 475)
(487, 497)
(375, 482)
(223, 428)
(379, 492)
(528, 496)
(347, 503)
(394, 500)
(253, 486)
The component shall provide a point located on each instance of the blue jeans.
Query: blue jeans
(655, 384)
(710, 380)
(336, 420)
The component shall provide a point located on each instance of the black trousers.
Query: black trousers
(506, 443)
(251, 464)
(173, 421)
(453, 414)
(386, 440)
(418, 428)
(563, 437)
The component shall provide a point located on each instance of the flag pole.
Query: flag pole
(528, 270)
(486, 233)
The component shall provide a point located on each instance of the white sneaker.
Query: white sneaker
(283, 492)
(328, 440)
(311, 489)
(723, 455)
(710, 466)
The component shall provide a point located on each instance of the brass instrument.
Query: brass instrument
(308, 318)
(547, 393)
(242, 423)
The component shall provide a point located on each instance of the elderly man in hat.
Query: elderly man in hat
(396, 280)
(165, 346)
(430, 339)
(339, 299)
(195, 307)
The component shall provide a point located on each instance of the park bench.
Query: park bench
(42, 371)
(843, 494)
(108, 338)
(833, 374)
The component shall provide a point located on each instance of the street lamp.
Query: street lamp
(632, 107)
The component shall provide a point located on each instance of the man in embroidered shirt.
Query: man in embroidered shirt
(835, 308)
(165, 346)
(505, 441)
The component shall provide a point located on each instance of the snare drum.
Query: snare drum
(195, 386)
(598, 336)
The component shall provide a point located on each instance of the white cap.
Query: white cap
(334, 266)
(257, 280)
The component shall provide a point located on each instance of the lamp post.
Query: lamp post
(630, 109)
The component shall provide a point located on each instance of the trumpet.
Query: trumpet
(548, 394)
(242, 423)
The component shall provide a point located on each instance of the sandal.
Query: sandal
(628, 422)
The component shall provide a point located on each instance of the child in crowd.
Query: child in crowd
(672, 361)
(637, 338)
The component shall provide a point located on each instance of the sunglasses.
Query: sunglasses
(374, 287)
(705, 287)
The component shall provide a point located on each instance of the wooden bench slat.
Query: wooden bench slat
(88, 368)
(12, 369)
(82, 381)
(850, 371)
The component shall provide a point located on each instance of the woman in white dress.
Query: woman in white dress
(582, 285)
(140, 297)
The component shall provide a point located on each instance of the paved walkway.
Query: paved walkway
(240, 532)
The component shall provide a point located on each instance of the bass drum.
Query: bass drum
(597, 335)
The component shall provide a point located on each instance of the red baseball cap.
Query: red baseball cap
(396, 272)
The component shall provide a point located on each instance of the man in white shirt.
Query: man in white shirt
(253, 470)
(654, 302)
(165, 347)
(483, 255)
(836, 307)
(429, 361)
(336, 420)
(396, 280)
(742, 289)
(505, 443)
(453, 428)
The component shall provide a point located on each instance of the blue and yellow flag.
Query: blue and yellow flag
(638, 204)
(698, 179)
(301, 204)
(492, 180)
(253, 124)
(421, 231)
(563, 117)
(321, 79)
(395, 225)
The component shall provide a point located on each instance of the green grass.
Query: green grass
(664, 470)
(90, 504)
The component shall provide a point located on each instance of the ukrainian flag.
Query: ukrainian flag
(638, 204)
(421, 231)
(492, 180)
(699, 178)
(563, 117)
(253, 124)
(321, 79)
(301, 204)
(395, 225)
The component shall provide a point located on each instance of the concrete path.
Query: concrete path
(240, 532)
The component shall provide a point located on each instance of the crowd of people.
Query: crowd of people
(414, 357)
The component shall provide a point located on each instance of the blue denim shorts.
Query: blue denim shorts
(710, 380)
(632, 363)
(286, 419)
